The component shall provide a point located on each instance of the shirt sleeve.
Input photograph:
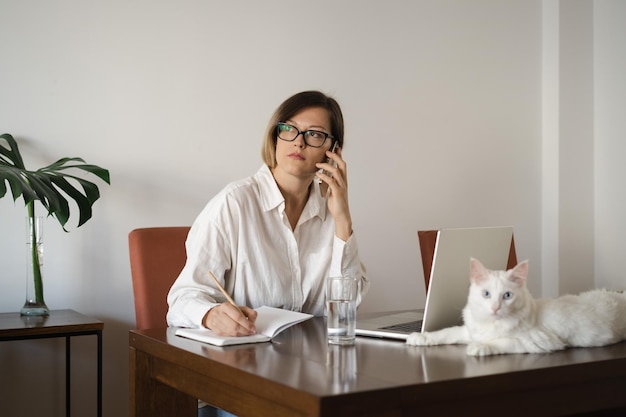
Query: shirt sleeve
(346, 261)
(192, 294)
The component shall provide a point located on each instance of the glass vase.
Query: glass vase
(35, 304)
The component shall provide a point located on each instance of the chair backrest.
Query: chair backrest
(157, 255)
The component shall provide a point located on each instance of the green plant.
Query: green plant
(50, 186)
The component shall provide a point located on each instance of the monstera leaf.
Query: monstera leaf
(51, 185)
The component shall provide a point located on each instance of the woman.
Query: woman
(272, 239)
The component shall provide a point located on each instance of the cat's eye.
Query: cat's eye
(486, 294)
(507, 295)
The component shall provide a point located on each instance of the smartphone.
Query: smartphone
(329, 161)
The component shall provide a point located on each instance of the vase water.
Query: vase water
(35, 304)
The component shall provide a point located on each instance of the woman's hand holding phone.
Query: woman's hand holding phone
(327, 160)
(334, 175)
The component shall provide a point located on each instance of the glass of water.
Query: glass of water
(341, 295)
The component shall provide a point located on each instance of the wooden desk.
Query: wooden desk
(60, 323)
(300, 375)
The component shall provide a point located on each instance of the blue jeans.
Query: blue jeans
(210, 411)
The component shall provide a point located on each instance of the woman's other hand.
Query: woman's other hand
(227, 320)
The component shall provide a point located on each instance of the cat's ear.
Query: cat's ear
(478, 272)
(519, 274)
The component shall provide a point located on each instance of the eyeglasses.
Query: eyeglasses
(313, 138)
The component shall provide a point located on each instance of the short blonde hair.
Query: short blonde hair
(294, 105)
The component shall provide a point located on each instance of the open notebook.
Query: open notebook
(269, 323)
(445, 256)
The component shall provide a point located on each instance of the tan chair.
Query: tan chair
(157, 255)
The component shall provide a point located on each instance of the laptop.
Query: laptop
(448, 286)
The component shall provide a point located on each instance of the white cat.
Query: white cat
(501, 316)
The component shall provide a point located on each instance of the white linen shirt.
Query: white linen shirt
(244, 238)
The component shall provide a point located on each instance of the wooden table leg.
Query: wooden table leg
(149, 397)
(68, 374)
(99, 382)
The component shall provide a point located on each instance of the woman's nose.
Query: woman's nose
(299, 140)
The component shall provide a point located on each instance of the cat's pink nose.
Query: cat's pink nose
(495, 308)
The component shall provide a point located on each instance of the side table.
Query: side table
(60, 323)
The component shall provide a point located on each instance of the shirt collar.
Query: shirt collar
(272, 198)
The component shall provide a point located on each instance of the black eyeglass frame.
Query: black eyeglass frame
(303, 133)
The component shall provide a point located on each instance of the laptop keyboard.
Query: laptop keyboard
(409, 326)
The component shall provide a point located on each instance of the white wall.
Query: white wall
(568, 141)
(610, 146)
(443, 106)
(582, 124)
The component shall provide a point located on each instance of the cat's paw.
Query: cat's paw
(480, 349)
(417, 339)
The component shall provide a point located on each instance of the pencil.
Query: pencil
(223, 291)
